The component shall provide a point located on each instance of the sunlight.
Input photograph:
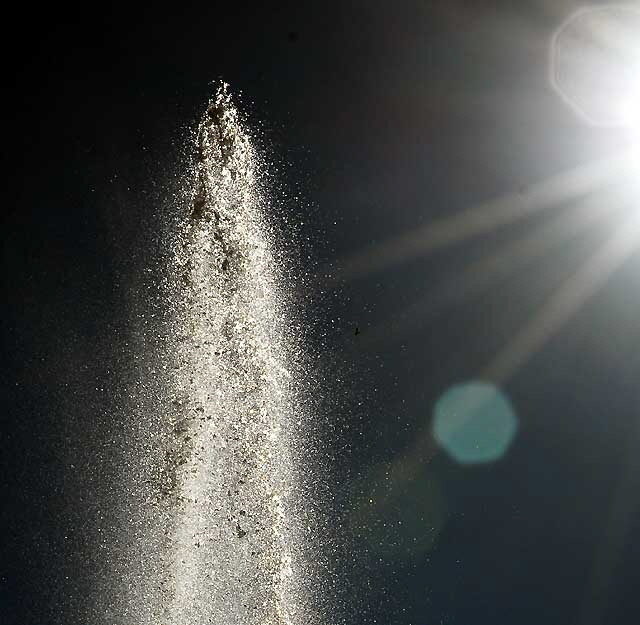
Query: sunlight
(516, 256)
(595, 69)
(567, 301)
(484, 218)
(595, 64)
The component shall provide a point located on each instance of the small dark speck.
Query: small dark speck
(292, 36)
(240, 531)
(356, 331)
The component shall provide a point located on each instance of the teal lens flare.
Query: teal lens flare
(474, 423)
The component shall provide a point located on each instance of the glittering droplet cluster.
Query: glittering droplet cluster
(228, 468)
(211, 508)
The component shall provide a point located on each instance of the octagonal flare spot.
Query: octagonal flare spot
(474, 423)
(595, 64)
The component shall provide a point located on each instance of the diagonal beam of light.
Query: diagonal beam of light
(484, 218)
(566, 302)
(479, 275)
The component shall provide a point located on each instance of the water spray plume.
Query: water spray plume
(212, 506)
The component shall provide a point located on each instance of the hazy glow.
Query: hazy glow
(595, 64)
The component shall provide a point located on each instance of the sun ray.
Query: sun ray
(480, 275)
(481, 219)
(566, 302)
(624, 502)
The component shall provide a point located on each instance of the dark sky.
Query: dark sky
(385, 117)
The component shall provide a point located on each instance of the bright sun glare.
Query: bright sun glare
(595, 69)
(595, 65)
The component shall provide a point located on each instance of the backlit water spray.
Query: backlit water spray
(212, 517)
(230, 544)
